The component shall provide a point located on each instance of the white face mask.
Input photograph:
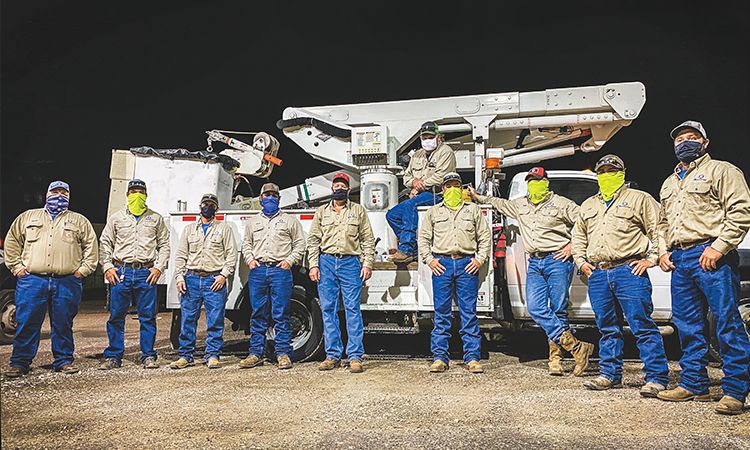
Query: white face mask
(429, 144)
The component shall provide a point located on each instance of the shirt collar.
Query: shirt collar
(693, 164)
(617, 193)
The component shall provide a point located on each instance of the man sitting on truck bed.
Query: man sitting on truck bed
(545, 220)
(424, 176)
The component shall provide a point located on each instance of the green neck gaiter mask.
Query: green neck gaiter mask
(453, 197)
(137, 203)
(538, 189)
(609, 183)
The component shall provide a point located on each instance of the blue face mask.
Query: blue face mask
(270, 205)
(688, 151)
(340, 194)
(56, 203)
(208, 210)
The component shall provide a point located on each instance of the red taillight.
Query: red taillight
(189, 218)
(306, 216)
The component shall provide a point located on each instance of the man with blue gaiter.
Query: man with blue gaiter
(50, 250)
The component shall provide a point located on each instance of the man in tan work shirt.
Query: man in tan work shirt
(272, 244)
(50, 250)
(340, 253)
(206, 257)
(614, 243)
(455, 241)
(705, 215)
(133, 252)
(545, 220)
(424, 175)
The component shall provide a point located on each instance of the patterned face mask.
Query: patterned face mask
(56, 203)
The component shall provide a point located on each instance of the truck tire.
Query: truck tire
(8, 321)
(306, 321)
(713, 346)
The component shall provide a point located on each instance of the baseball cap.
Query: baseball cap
(57, 185)
(610, 160)
(341, 176)
(451, 176)
(536, 173)
(210, 198)
(136, 183)
(269, 187)
(694, 124)
(428, 128)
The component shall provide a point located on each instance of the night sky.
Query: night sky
(81, 78)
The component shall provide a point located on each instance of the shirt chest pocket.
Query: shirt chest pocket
(700, 196)
(259, 231)
(195, 242)
(352, 227)
(33, 232)
(466, 225)
(589, 218)
(550, 215)
(147, 228)
(625, 218)
(70, 233)
(667, 198)
(442, 225)
(216, 240)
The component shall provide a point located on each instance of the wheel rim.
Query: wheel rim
(8, 321)
(301, 323)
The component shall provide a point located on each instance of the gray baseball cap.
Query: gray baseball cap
(694, 124)
(269, 187)
(57, 185)
(451, 176)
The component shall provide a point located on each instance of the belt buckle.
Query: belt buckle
(137, 265)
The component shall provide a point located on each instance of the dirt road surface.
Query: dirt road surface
(394, 404)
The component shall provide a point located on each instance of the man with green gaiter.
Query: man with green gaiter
(615, 241)
(133, 252)
(545, 220)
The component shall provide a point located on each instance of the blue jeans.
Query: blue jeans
(694, 291)
(270, 293)
(341, 277)
(35, 295)
(455, 281)
(616, 291)
(199, 293)
(404, 218)
(133, 286)
(548, 292)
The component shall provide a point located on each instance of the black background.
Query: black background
(81, 78)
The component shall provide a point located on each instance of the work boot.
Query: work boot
(474, 366)
(438, 366)
(680, 394)
(15, 372)
(355, 366)
(730, 406)
(251, 361)
(555, 359)
(400, 258)
(329, 364)
(580, 350)
(213, 363)
(149, 362)
(68, 369)
(284, 362)
(651, 389)
(601, 383)
(110, 363)
(181, 364)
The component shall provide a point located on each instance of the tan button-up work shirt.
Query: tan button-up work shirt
(277, 238)
(44, 247)
(216, 251)
(447, 232)
(128, 240)
(711, 201)
(345, 233)
(545, 227)
(432, 169)
(627, 228)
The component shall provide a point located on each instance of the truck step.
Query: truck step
(387, 265)
(389, 328)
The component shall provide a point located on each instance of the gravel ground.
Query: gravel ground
(394, 404)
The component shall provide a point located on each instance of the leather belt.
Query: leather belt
(203, 273)
(269, 263)
(456, 256)
(691, 244)
(134, 265)
(540, 254)
(49, 275)
(606, 265)
(337, 255)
